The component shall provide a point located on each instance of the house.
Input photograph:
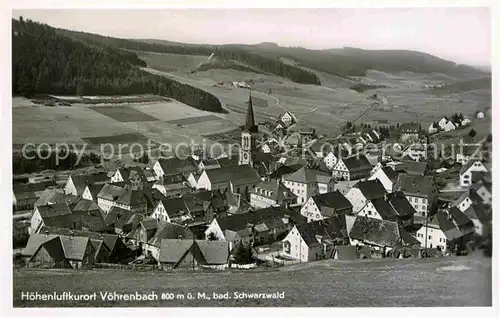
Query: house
(204, 205)
(446, 125)
(288, 119)
(392, 207)
(53, 196)
(120, 220)
(174, 185)
(421, 192)
(410, 131)
(447, 227)
(468, 153)
(381, 235)
(254, 227)
(118, 251)
(208, 164)
(271, 192)
(364, 191)
(59, 251)
(386, 176)
(303, 183)
(242, 179)
(91, 191)
(165, 230)
(461, 199)
(418, 168)
(171, 210)
(45, 211)
(174, 165)
(465, 121)
(133, 176)
(433, 128)
(479, 114)
(193, 254)
(26, 195)
(133, 200)
(108, 195)
(75, 185)
(483, 191)
(415, 152)
(315, 240)
(326, 205)
(479, 216)
(466, 171)
(356, 167)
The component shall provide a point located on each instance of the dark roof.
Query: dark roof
(357, 163)
(414, 184)
(400, 204)
(74, 246)
(198, 201)
(303, 175)
(171, 179)
(330, 228)
(32, 187)
(460, 218)
(478, 212)
(108, 239)
(240, 221)
(84, 205)
(34, 242)
(118, 217)
(214, 252)
(444, 221)
(92, 220)
(371, 189)
(239, 175)
(54, 248)
(228, 162)
(111, 192)
(51, 210)
(132, 197)
(384, 209)
(284, 170)
(410, 127)
(469, 164)
(176, 165)
(175, 207)
(250, 120)
(82, 180)
(273, 189)
(166, 230)
(413, 167)
(95, 189)
(379, 232)
(335, 200)
(390, 173)
(52, 196)
(150, 223)
(172, 250)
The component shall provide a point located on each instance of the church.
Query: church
(250, 152)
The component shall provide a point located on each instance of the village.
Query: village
(289, 196)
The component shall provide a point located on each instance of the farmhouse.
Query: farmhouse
(392, 207)
(288, 119)
(174, 165)
(382, 236)
(76, 183)
(45, 211)
(91, 191)
(133, 176)
(386, 176)
(133, 200)
(193, 254)
(165, 230)
(171, 210)
(306, 182)
(446, 125)
(474, 165)
(421, 192)
(174, 185)
(364, 191)
(446, 227)
(356, 167)
(259, 226)
(314, 240)
(239, 179)
(326, 205)
(271, 192)
(108, 195)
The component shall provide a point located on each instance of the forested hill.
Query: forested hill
(47, 62)
(267, 64)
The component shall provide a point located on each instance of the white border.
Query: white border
(6, 168)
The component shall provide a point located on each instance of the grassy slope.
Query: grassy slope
(464, 86)
(330, 283)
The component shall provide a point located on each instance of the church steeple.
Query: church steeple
(250, 120)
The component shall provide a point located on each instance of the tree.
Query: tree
(212, 236)
(472, 133)
(489, 138)
(243, 254)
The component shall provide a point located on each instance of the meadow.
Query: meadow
(464, 281)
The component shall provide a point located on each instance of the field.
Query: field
(327, 107)
(464, 281)
(123, 113)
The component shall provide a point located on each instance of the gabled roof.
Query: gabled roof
(384, 209)
(469, 164)
(214, 252)
(166, 230)
(74, 246)
(413, 167)
(94, 189)
(171, 179)
(51, 210)
(82, 180)
(284, 170)
(380, 232)
(357, 163)
(108, 239)
(335, 200)
(150, 223)
(414, 184)
(400, 204)
(172, 250)
(31, 187)
(371, 189)
(228, 162)
(477, 212)
(239, 175)
(132, 197)
(274, 190)
(92, 220)
(111, 192)
(84, 205)
(34, 242)
(52, 196)
(330, 228)
(118, 217)
(237, 222)
(390, 173)
(175, 207)
(176, 165)
(303, 175)
(444, 221)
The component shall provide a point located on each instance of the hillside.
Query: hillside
(464, 86)
(228, 52)
(45, 61)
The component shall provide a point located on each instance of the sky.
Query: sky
(462, 35)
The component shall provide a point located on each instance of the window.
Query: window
(430, 237)
(369, 212)
(410, 199)
(416, 207)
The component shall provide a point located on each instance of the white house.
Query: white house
(474, 165)
(386, 176)
(356, 167)
(287, 118)
(433, 129)
(171, 166)
(323, 206)
(108, 196)
(480, 115)
(330, 160)
(271, 193)
(446, 125)
(302, 183)
(465, 121)
(364, 191)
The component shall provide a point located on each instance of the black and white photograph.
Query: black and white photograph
(250, 157)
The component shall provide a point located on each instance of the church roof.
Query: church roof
(250, 120)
